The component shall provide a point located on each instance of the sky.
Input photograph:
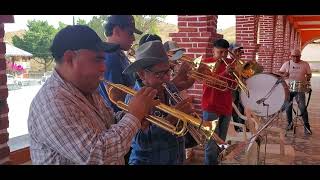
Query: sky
(224, 21)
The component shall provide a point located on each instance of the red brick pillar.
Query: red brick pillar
(278, 44)
(266, 41)
(196, 34)
(296, 42)
(4, 110)
(292, 34)
(286, 46)
(246, 35)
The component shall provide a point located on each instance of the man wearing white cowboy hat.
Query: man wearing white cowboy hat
(155, 145)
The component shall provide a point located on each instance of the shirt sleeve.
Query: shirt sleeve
(308, 69)
(68, 131)
(284, 67)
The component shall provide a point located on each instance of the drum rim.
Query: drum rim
(285, 86)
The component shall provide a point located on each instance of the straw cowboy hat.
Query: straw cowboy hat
(147, 55)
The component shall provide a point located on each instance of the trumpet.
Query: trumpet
(131, 52)
(198, 136)
(178, 130)
(213, 80)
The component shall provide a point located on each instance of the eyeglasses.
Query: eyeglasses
(160, 74)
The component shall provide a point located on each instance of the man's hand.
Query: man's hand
(204, 69)
(283, 74)
(182, 80)
(142, 102)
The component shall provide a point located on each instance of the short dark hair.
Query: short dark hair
(149, 37)
(221, 43)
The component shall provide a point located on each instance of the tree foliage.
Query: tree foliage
(37, 40)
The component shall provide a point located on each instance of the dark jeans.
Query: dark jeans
(237, 102)
(211, 148)
(127, 156)
(301, 100)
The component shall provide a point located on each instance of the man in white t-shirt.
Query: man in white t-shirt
(299, 70)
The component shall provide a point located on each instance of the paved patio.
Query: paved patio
(304, 149)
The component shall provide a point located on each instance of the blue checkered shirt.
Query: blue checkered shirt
(156, 146)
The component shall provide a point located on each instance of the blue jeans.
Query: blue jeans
(211, 149)
(301, 100)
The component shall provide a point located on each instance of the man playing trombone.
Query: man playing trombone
(217, 104)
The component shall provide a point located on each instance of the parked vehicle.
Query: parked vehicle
(12, 82)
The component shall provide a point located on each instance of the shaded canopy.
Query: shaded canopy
(12, 51)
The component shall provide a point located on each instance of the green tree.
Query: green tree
(37, 40)
(97, 23)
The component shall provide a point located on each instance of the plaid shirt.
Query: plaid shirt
(65, 128)
(155, 145)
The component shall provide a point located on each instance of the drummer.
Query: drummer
(297, 70)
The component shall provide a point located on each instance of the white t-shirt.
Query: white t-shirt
(297, 71)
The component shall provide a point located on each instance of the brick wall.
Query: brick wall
(292, 33)
(4, 122)
(286, 47)
(196, 34)
(246, 35)
(278, 44)
(266, 41)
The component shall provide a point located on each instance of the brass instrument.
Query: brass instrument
(238, 78)
(132, 52)
(207, 130)
(196, 133)
(213, 80)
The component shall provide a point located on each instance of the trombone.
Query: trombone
(212, 80)
(206, 129)
(240, 83)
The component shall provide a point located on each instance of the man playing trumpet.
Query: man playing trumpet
(155, 145)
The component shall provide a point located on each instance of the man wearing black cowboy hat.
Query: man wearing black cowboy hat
(119, 29)
(155, 145)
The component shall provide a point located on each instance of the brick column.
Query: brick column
(292, 33)
(4, 122)
(266, 41)
(246, 35)
(286, 46)
(196, 34)
(278, 44)
(296, 42)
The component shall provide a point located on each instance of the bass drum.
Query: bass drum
(268, 94)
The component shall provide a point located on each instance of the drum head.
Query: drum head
(259, 86)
